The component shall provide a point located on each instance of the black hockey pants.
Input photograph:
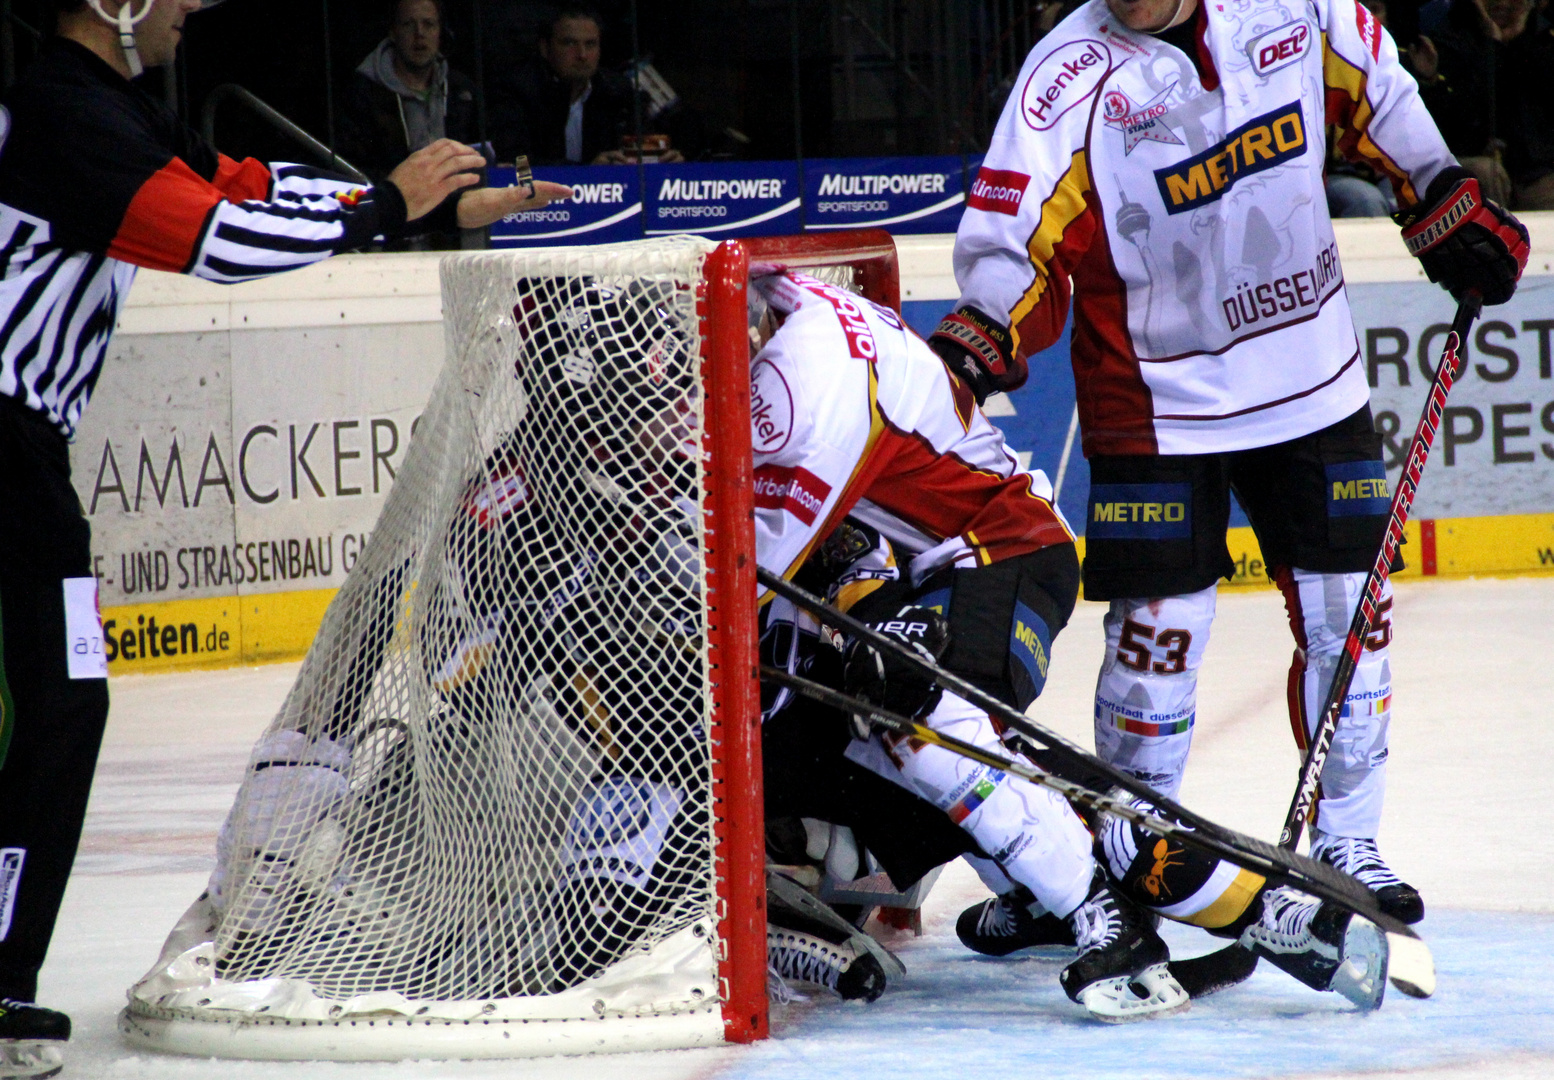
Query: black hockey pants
(54, 723)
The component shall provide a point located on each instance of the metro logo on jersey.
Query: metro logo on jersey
(1140, 512)
(793, 489)
(1259, 144)
(1279, 47)
(1356, 488)
(1370, 29)
(998, 191)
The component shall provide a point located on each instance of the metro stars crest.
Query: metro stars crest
(1139, 122)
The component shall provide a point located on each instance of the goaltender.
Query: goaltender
(96, 179)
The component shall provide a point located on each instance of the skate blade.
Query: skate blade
(31, 1058)
(1362, 976)
(1412, 968)
(1151, 994)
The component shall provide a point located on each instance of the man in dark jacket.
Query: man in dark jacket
(563, 109)
(405, 95)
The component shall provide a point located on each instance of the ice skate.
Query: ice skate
(1004, 924)
(1360, 859)
(32, 1040)
(803, 955)
(1322, 945)
(1120, 974)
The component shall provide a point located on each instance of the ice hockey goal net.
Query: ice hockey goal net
(512, 804)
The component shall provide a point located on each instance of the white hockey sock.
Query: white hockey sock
(1030, 832)
(1146, 697)
(1355, 774)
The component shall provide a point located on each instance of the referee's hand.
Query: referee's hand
(486, 206)
(434, 172)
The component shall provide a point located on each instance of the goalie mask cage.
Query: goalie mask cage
(512, 804)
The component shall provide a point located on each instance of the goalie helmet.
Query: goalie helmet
(611, 388)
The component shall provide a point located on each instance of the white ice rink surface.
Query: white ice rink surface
(1468, 820)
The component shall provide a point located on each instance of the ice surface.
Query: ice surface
(1471, 753)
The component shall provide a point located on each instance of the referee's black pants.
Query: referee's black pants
(54, 723)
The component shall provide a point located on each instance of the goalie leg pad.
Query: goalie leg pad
(1146, 697)
(1354, 777)
(293, 783)
(1032, 833)
(1178, 882)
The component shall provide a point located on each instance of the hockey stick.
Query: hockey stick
(1356, 897)
(1415, 972)
(1228, 966)
(1381, 570)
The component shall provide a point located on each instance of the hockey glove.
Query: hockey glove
(1464, 241)
(887, 681)
(979, 351)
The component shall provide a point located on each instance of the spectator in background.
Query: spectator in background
(1485, 76)
(563, 108)
(404, 95)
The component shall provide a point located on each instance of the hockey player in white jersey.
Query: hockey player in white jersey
(853, 415)
(1160, 164)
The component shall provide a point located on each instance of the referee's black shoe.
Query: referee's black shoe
(32, 1040)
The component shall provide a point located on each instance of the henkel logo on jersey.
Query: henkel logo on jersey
(1370, 30)
(1279, 47)
(794, 489)
(1065, 77)
(998, 191)
(771, 409)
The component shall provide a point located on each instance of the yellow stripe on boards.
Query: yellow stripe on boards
(223, 631)
(1509, 545)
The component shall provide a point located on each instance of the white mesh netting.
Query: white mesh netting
(488, 794)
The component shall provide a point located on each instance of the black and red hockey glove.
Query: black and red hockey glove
(883, 679)
(1464, 241)
(979, 351)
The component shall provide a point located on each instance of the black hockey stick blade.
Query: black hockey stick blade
(1260, 857)
(1412, 969)
(1212, 972)
(1060, 755)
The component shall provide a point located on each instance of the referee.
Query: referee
(98, 178)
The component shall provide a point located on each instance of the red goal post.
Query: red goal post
(737, 787)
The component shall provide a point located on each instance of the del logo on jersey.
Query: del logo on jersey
(1279, 47)
(1259, 144)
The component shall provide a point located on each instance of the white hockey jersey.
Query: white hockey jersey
(1188, 210)
(851, 413)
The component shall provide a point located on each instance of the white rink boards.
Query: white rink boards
(1471, 750)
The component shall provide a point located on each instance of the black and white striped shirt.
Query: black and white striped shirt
(96, 179)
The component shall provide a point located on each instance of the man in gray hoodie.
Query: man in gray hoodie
(405, 95)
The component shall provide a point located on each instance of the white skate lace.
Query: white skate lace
(806, 959)
(997, 918)
(1359, 858)
(1096, 923)
(1286, 921)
